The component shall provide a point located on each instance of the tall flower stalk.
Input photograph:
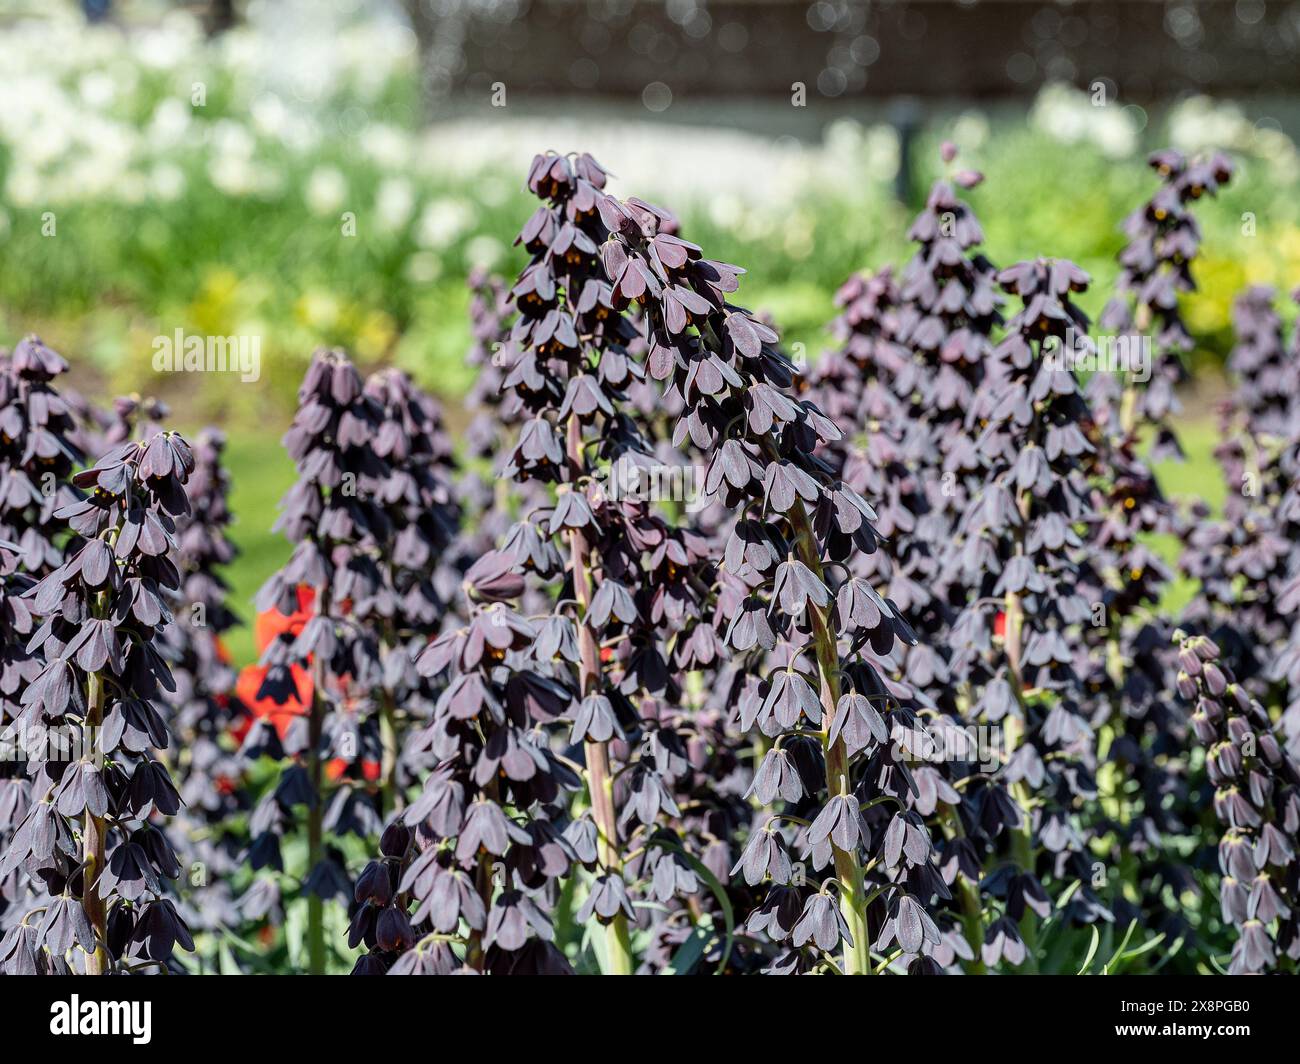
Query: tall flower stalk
(913, 353)
(466, 877)
(96, 829)
(39, 448)
(569, 344)
(1019, 547)
(205, 707)
(1257, 798)
(336, 519)
(796, 523)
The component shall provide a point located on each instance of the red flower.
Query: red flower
(271, 623)
(250, 679)
(337, 768)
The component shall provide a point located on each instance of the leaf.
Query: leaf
(1170, 953)
(295, 932)
(1146, 946)
(226, 963)
(1132, 926)
(1092, 951)
(689, 952)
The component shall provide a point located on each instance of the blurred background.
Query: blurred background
(327, 171)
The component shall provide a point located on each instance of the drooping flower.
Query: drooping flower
(95, 831)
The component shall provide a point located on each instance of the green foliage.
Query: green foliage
(136, 210)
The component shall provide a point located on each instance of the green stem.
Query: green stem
(848, 870)
(93, 834)
(1128, 411)
(1022, 839)
(388, 794)
(600, 781)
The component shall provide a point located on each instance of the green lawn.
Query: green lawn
(261, 472)
(1197, 477)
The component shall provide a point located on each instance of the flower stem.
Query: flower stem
(389, 796)
(1022, 838)
(93, 832)
(848, 870)
(600, 781)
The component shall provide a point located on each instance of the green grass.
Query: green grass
(1198, 477)
(261, 472)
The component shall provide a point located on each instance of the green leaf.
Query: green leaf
(295, 932)
(688, 954)
(1137, 951)
(1092, 951)
(1170, 953)
(1106, 968)
(226, 963)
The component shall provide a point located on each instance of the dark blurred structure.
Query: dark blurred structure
(1138, 49)
(221, 16)
(218, 15)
